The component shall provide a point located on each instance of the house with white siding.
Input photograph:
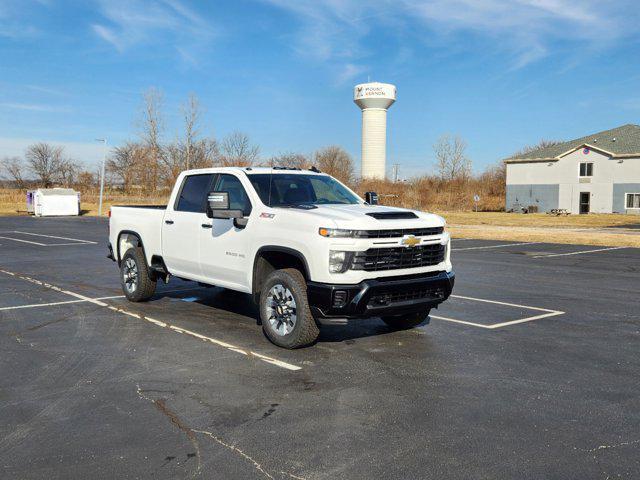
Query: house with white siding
(599, 173)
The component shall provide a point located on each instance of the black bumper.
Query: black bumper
(382, 296)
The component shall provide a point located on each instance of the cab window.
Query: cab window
(193, 193)
(238, 198)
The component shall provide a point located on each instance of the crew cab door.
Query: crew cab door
(224, 255)
(182, 226)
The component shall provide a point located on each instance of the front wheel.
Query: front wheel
(284, 309)
(136, 280)
(406, 321)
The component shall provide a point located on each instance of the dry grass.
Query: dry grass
(539, 219)
(547, 235)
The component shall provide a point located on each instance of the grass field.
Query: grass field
(539, 219)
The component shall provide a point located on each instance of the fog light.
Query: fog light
(339, 298)
(337, 261)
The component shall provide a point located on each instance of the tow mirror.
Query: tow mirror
(371, 198)
(218, 207)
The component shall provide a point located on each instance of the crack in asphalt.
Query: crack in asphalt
(161, 405)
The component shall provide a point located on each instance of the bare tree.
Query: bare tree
(152, 129)
(68, 172)
(296, 160)
(191, 114)
(451, 160)
(543, 143)
(236, 150)
(85, 180)
(127, 161)
(14, 166)
(45, 162)
(205, 152)
(335, 161)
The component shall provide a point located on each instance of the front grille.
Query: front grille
(398, 233)
(376, 259)
(432, 293)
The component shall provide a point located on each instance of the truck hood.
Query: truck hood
(355, 217)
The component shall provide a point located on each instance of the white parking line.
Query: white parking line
(19, 307)
(495, 246)
(25, 241)
(47, 244)
(36, 305)
(548, 313)
(579, 253)
(53, 236)
(228, 346)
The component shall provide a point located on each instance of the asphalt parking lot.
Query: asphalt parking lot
(530, 371)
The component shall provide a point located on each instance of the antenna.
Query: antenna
(396, 170)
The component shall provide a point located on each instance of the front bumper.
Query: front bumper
(381, 296)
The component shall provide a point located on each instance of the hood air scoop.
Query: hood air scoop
(392, 215)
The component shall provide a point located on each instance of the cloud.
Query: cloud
(33, 107)
(135, 23)
(349, 72)
(522, 31)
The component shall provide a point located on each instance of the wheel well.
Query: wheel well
(126, 240)
(268, 260)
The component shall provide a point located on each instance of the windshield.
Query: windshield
(294, 189)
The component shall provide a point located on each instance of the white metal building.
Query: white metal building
(48, 202)
(599, 173)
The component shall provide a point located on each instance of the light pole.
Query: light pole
(104, 161)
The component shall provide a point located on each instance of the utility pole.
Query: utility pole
(104, 161)
(396, 170)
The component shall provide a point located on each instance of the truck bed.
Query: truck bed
(143, 220)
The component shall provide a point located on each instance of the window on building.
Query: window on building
(586, 169)
(633, 200)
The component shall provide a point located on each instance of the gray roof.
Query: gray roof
(57, 191)
(621, 141)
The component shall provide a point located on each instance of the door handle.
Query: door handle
(206, 225)
(169, 222)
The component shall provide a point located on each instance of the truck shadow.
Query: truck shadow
(240, 306)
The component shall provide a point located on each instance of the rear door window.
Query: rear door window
(193, 193)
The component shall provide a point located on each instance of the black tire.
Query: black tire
(304, 330)
(407, 321)
(142, 287)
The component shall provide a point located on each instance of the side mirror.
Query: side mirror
(371, 198)
(218, 207)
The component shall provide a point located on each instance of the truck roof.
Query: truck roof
(249, 170)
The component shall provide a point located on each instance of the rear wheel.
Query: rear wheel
(137, 284)
(286, 318)
(406, 321)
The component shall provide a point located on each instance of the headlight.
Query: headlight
(338, 261)
(337, 233)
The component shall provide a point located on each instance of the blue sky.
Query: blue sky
(501, 74)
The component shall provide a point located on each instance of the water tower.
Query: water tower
(374, 99)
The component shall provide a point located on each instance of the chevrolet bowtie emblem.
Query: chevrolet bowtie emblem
(409, 241)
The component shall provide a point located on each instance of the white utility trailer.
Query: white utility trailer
(51, 202)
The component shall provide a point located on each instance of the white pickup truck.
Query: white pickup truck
(303, 245)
